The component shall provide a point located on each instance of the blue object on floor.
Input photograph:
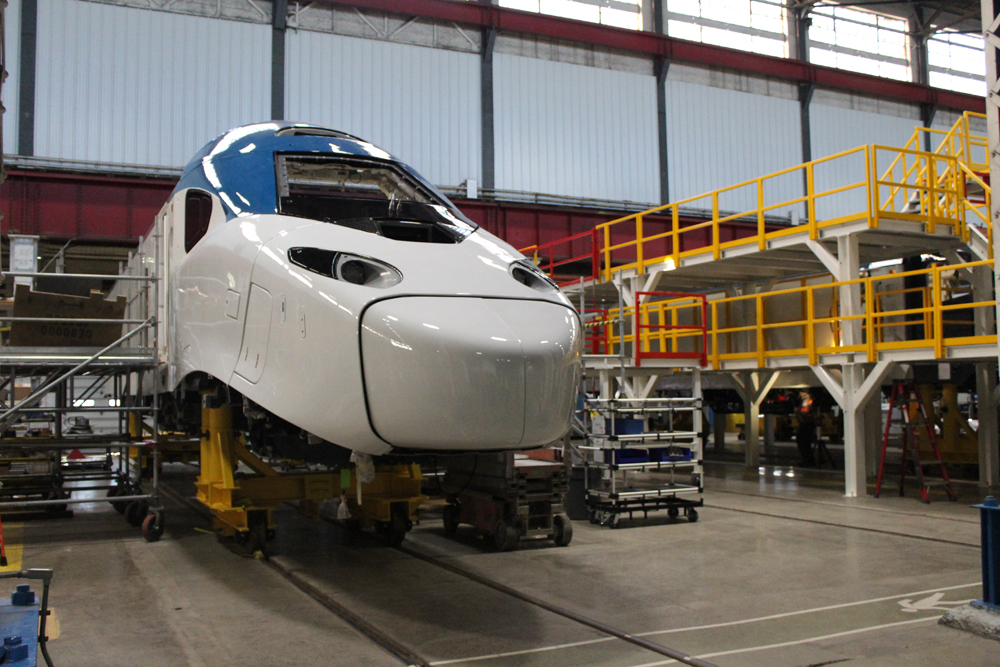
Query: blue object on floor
(989, 516)
(20, 622)
(22, 596)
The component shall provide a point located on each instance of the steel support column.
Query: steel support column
(660, 68)
(486, 103)
(279, 24)
(26, 78)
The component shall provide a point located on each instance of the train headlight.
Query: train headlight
(349, 268)
(531, 276)
(353, 271)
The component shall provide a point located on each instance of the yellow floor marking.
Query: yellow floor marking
(13, 542)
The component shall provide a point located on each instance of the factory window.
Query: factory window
(197, 214)
(859, 41)
(955, 61)
(758, 26)
(618, 13)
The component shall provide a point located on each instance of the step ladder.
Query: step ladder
(904, 394)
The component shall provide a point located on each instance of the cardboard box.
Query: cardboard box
(28, 303)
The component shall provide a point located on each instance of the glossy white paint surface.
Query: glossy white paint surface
(445, 372)
(295, 344)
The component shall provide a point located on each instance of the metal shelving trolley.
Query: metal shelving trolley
(75, 426)
(645, 455)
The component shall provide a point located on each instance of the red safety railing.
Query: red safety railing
(643, 341)
(544, 255)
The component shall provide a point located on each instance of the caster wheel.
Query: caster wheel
(692, 515)
(120, 490)
(614, 521)
(57, 495)
(673, 512)
(563, 530)
(136, 511)
(394, 530)
(451, 519)
(152, 527)
(257, 538)
(504, 536)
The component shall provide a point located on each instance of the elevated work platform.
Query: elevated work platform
(824, 291)
(803, 294)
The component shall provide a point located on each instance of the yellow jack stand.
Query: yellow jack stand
(243, 505)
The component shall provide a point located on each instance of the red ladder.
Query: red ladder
(904, 393)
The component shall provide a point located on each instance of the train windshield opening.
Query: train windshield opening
(368, 195)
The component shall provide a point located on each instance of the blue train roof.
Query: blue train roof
(238, 165)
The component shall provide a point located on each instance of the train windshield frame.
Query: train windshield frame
(368, 195)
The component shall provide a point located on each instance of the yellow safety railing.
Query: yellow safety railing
(745, 327)
(637, 241)
(958, 142)
(971, 163)
(906, 183)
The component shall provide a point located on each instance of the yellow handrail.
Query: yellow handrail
(818, 331)
(918, 186)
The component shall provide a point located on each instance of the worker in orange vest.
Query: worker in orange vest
(805, 434)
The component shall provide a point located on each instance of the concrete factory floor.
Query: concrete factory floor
(779, 570)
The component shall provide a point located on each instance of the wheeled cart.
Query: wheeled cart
(508, 496)
(645, 457)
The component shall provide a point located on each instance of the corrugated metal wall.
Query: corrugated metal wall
(574, 130)
(718, 137)
(123, 85)
(835, 129)
(12, 49)
(420, 104)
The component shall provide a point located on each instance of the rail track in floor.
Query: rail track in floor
(410, 657)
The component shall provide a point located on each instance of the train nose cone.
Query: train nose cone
(469, 373)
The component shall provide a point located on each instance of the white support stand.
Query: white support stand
(852, 392)
(753, 387)
(988, 432)
(991, 35)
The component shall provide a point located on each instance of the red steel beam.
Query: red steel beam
(482, 15)
(60, 206)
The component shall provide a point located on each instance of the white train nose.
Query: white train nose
(469, 373)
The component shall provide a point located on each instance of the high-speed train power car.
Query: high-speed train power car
(350, 303)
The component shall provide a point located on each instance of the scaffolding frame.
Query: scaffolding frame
(131, 453)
